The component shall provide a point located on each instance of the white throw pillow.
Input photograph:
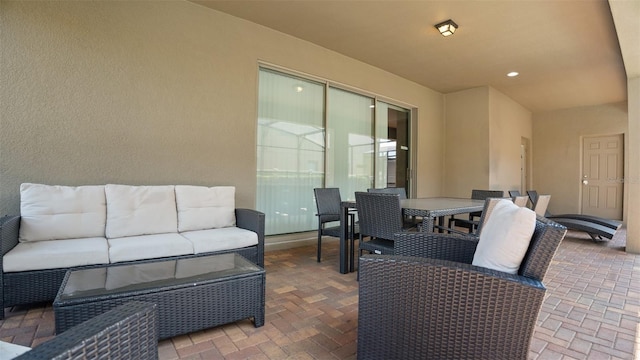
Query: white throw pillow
(52, 212)
(140, 210)
(505, 237)
(201, 208)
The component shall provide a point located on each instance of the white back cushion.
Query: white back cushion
(140, 210)
(202, 207)
(51, 212)
(505, 237)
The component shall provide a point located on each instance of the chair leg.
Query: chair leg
(319, 245)
(359, 254)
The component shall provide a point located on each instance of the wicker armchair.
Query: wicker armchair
(435, 305)
(126, 332)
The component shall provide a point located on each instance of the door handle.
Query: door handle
(585, 182)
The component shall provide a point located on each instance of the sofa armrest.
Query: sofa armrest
(9, 231)
(253, 220)
(419, 308)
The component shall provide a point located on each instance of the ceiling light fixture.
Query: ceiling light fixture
(447, 28)
(513, 74)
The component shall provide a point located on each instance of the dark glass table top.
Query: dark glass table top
(114, 279)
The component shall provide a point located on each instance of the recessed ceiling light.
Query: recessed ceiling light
(513, 74)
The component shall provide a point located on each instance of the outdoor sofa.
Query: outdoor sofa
(63, 227)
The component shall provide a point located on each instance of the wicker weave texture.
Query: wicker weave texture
(181, 309)
(434, 304)
(380, 214)
(129, 331)
(25, 287)
(413, 308)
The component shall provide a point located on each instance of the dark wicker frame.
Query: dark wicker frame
(328, 202)
(183, 307)
(126, 332)
(434, 304)
(471, 225)
(26, 287)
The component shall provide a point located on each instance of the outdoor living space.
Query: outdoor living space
(279, 98)
(591, 310)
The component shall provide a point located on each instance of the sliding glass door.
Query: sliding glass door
(311, 134)
(350, 142)
(290, 151)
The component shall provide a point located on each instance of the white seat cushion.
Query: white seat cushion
(202, 207)
(148, 247)
(505, 237)
(140, 210)
(9, 351)
(50, 212)
(55, 254)
(220, 239)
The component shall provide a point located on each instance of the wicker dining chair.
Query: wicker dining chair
(521, 200)
(328, 202)
(129, 331)
(514, 193)
(428, 302)
(471, 224)
(380, 217)
(408, 222)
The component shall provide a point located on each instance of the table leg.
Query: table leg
(427, 223)
(344, 244)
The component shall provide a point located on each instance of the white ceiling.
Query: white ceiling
(566, 51)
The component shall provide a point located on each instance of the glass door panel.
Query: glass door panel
(290, 151)
(350, 142)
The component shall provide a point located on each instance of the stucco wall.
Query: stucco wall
(483, 132)
(557, 144)
(466, 164)
(633, 172)
(509, 123)
(160, 92)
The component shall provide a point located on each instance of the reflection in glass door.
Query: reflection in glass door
(349, 147)
(392, 146)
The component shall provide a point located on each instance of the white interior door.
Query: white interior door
(602, 176)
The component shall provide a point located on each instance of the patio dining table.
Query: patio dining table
(429, 209)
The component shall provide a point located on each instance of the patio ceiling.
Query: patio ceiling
(566, 52)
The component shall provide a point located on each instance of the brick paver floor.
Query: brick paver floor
(592, 310)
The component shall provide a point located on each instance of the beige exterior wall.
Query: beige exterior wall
(633, 171)
(557, 144)
(509, 124)
(162, 92)
(466, 164)
(483, 132)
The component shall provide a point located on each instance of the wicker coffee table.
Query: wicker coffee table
(191, 294)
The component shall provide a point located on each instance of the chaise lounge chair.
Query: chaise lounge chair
(598, 228)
